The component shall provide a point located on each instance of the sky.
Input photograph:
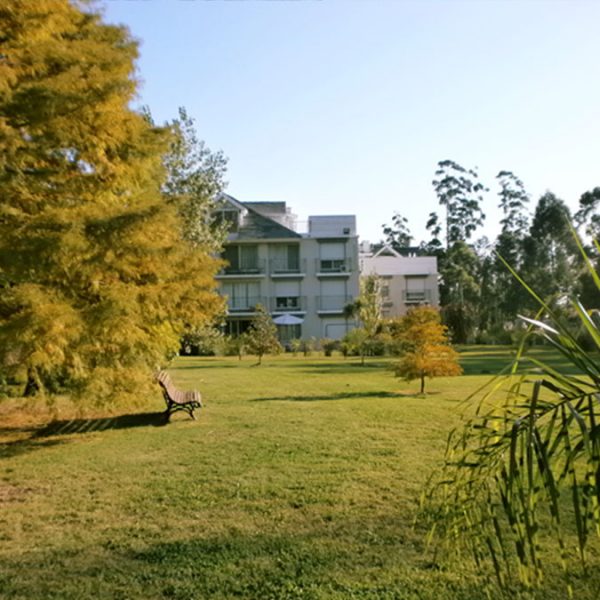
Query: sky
(346, 106)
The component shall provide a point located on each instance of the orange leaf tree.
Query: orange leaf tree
(426, 349)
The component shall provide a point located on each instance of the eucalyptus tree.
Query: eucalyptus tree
(587, 219)
(397, 235)
(460, 192)
(460, 291)
(550, 250)
(508, 295)
(434, 246)
(588, 215)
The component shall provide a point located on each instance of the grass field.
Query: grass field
(299, 480)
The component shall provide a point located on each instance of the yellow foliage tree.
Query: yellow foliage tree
(426, 350)
(96, 283)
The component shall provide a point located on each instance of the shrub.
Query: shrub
(328, 346)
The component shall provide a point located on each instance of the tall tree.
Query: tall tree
(460, 291)
(397, 235)
(195, 178)
(507, 294)
(588, 215)
(550, 250)
(434, 246)
(97, 282)
(460, 192)
(513, 202)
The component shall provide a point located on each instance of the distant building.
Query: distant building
(312, 276)
(406, 279)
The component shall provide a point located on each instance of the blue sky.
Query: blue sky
(341, 107)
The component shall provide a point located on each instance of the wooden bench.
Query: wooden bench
(176, 399)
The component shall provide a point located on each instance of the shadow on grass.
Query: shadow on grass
(33, 438)
(206, 365)
(67, 427)
(324, 368)
(492, 362)
(338, 396)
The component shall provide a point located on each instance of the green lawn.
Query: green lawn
(299, 480)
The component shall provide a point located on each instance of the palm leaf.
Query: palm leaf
(517, 459)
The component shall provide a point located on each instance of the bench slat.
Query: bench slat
(177, 399)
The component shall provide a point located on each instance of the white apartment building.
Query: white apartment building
(312, 276)
(406, 281)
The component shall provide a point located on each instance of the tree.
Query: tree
(588, 215)
(526, 466)
(513, 202)
(461, 193)
(506, 297)
(98, 284)
(460, 291)
(195, 178)
(549, 261)
(434, 246)
(367, 308)
(424, 341)
(261, 336)
(397, 235)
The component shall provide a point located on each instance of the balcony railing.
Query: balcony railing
(288, 304)
(251, 267)
(282, 266)
(416, 296)
(333, 303)
(244, 304)
(333, 265)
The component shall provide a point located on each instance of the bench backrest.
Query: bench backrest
(165, 381)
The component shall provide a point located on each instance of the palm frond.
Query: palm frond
(528, 466)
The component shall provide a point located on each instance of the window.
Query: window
(242, 296)
(285, 258)
(282, 302)
(241, 259)
(230, 218)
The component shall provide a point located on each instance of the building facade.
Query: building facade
(406, 281)
(312, 276)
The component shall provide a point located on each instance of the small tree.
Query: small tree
(296, 345)
(261, 337)
(427, 352)
(367, 307)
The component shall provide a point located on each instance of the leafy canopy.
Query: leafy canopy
(97, 283)
(261, 336)
(424, 342)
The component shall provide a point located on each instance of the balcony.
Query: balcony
(336, 267)
(287, 268)
(249, 269)
(244, 305)
(288, 304)
(332, 305)
(416, 296)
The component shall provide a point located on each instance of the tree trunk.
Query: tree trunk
(422, 383)
(32, 386)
